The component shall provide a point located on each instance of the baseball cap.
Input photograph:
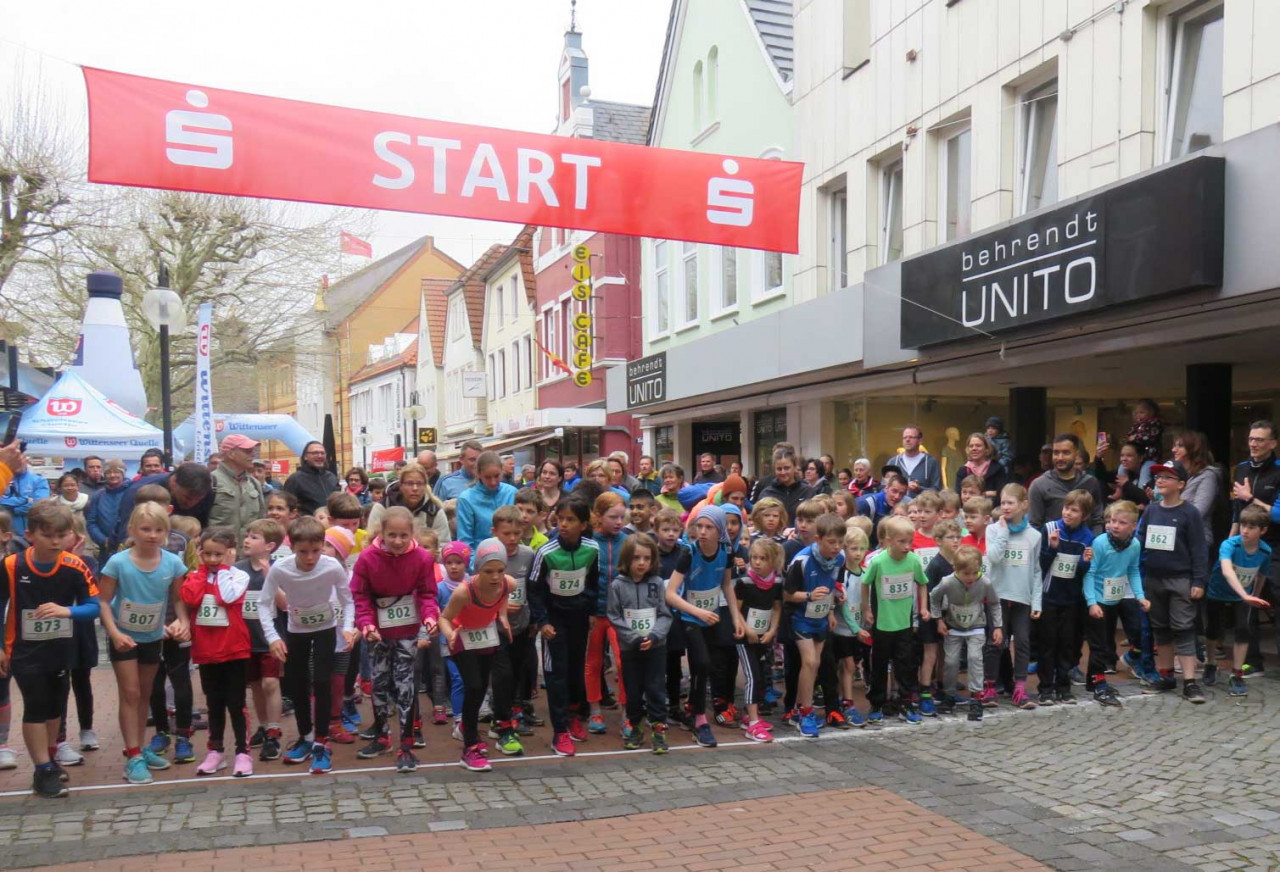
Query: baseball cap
(1170, 467)
(239, 440)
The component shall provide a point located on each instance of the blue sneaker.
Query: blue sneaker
(350, 716)
(875, 718)
(1031, 668)
(1132, 661)
(927, 707)
(772, 695)
(809, 726)
(911, 716)
(136, 771)
(299, 752)
(855, 717)
(154, 760)
(321, 760)
(703, 736)
(182, 750)
(159, 743)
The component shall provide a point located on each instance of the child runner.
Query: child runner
(394, 592)
(670, 548)
(314, 586)
(261, 539)
(9, 544)
(508, 526)
(608, 517)
(1112, 578)
(896, 578)
(1064, 562)
(1013, 548)
(532, 517)
(86, 657)
(475, 627)
(1174, 561)
(1244, 561)
(45, 589)
(643, 509)
(137, 587)
(563, 593)
(697, 589)
(769, 519)
(220, 647)
(849, 638)
(809, 588)
(948, 537)
(339, 543)
(282, 507)
(456, 557)
(724, 657)
(977, 517)
(639, 612)
(759, 594)
(968, 609)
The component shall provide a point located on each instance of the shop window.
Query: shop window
(664, 444)
(1038, 147)
(517, 383)
(590, 444)
(891, 212)
(770, 426)
(661, 289)
(688, 283)
(955, 167)
(1194, 110)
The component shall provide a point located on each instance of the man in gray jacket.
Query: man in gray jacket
(237, 494)
(919, 468)
(1049, 490)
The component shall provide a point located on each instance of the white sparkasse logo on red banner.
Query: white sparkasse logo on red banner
(63, 407)
(246, 145)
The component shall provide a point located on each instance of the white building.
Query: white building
(381, 390)
(466, 411)
(509, 321)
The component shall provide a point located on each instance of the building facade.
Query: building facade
(381, 392)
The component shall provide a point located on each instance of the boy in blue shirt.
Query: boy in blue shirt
(1234, 585)
(1065, 553)
(1113, 577)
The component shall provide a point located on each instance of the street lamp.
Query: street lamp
(416, 413)
(164, 311)
(363, 441)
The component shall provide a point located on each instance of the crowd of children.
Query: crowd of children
(901, 594)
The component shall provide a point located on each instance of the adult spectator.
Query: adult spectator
(882, 503)
(787, 486)
(765, 480)
(69, 494)
(863, 483)
(629, 481)
(1049, 490)
(190, 488)
(648, 476)
(528, 475)
(411, 491)
(549, 485)
(25, 490)
(1256, 481)
(735, 468)
(427, 460)
(358, 484)
(509, 469)
(618, 477)
(314, 481)
(214, 461)
(603, 471)
(237, 495)
(815, 476)
(152, 463)
(104, 508)
(397, 466)
(1126, 482)
(983, 462)
(1204, 482)
(707, 470)
(263, 474)
(93, 480)
(919, 468)
(477, 503)
(451, 486)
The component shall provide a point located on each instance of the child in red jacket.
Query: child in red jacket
(394, 589)
(220, 646)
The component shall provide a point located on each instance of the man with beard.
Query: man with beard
(1049, 490)
(314, 481)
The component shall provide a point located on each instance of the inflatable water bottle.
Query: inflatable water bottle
(104, 357)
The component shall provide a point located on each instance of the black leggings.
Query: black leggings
(224, 690)
(520, 653)
(699, 643)
(82, 687)
(564, 663)
(478, 669)
(1059, 652)
(644, 677)
(177, 669)
(306, 649)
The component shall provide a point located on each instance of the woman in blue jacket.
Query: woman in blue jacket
(104, 508)
(477, 503)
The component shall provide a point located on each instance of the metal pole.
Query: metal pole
(166, 404)
(365, 463)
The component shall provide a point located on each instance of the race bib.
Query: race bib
(926, 555)
(397, 611)
(966, 617)
(481, 639)
(640, 620)
(758, 620)
(210, 613)
(139, 617)
(567, 582)
(44, 629)
(1115, 589)
(517, 596)
(1161, 537)
(1015, 556)
(818, 608)
(249, 608)
(1247, 575)
(706, 599)
(896, 587)
(313, 617)
(1064, 566)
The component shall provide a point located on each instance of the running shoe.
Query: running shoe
(975, 710)
(1132, 662)
(772, 695)
(521, 720)
(911, 715)
(875, 718)
(457, 729)
(509, 743)
(1021, 700)
(68, 756)
(243, 767)
(154, 761)
(1065, 697)
(1161, 684)
(339, 734)
(270, 746)
(1210, 676)
(1192, 693)
(213, 763)
(658, 740)
(46, 783)
(406, 761)
(136, 771)
(531, 717)
(703, 736)
(792, 718)
(577, 730)
(419, 740)
(183, 751)
(376, 747)
(159, 743)
(321, 759)
(1077, 677)
(728, 716)
(595, 724)
(1105, 695)
(1252, 671)
(1047, 696)
(608, 701)
(562, 745)
(927, 706)
(758, 731)
(855, 717)
(631, 737)
(62, 773)
(299, 752)
(8, 758)
(259, 736)
(474, 758)
(350, 714)
(1236, 686)
(989, 697)
(438, 717)
(89, 741)
(810, 726)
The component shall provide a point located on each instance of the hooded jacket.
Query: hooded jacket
(609, 546)
(310, 485)
(380, 578)
(624, 595)
(103, 512)
(475, 508)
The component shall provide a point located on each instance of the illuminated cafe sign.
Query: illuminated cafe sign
(1159, 234)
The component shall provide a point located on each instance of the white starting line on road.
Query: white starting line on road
(867, 734)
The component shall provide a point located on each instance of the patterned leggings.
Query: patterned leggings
(394, 680)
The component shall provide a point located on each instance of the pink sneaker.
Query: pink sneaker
(1021, 700)
(474, 758)
(758, 731)
(577, 730)
(243, 767)
(989, 697)
(214, 762)
(562, 744)
(438, 717)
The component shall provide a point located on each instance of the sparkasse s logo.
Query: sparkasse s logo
(63, 407)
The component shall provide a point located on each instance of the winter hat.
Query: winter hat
(342, 541)
(715, 514)
(456, 549)
(733, 484)
(490, 550)
(731, 509)
(996, 423)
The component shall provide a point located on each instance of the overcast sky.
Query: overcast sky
(488, 62)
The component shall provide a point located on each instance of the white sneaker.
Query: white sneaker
(89, 741)
(68, 756)
(8, 758)
(457, 730)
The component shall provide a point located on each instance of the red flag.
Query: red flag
(354, 245)
(555, 361)
(156, 134)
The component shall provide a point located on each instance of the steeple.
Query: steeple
(573, 68)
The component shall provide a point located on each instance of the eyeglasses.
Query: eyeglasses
(1259, 439)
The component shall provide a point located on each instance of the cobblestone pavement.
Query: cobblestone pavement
(1158, 784)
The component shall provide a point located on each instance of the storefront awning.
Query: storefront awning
(501, 445)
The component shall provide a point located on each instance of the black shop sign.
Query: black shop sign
(1157, 235)
(647, 380)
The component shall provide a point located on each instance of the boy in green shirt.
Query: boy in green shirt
(893, 581)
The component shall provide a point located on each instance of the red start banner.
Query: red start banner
(152, 133)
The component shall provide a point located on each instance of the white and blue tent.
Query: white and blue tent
(74, 419)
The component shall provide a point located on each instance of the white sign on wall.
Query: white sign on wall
(473, 385)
